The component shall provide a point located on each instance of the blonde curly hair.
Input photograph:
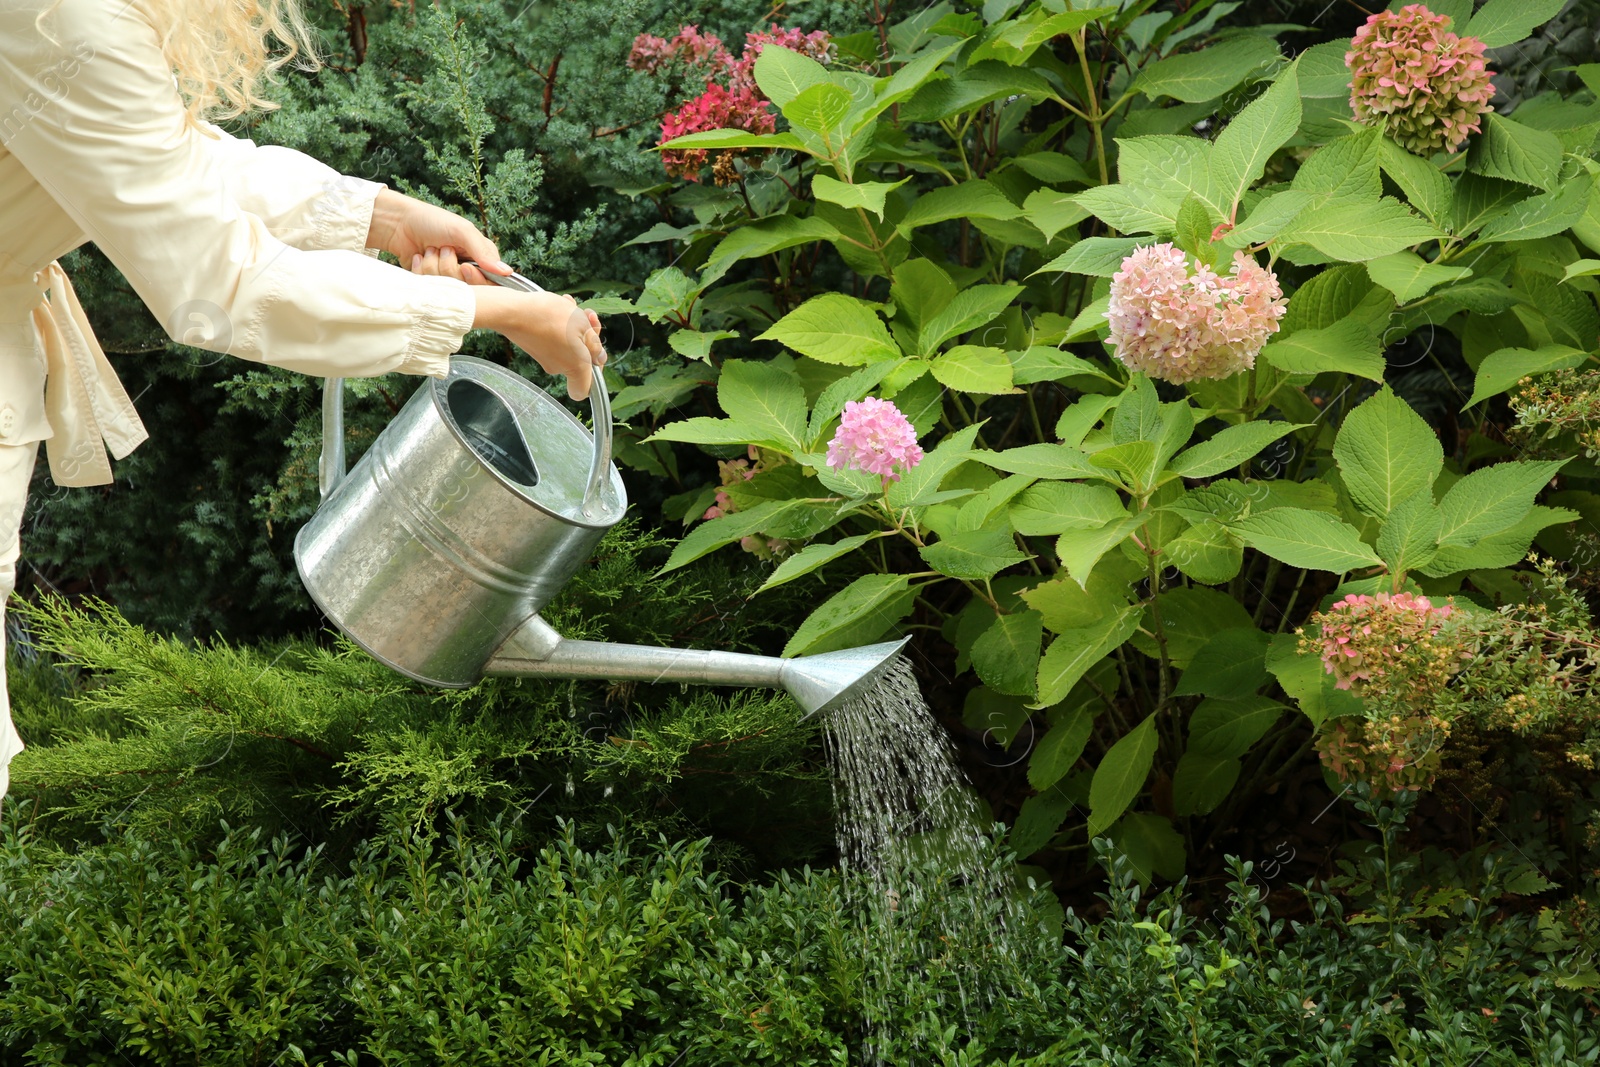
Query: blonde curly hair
(223, 52)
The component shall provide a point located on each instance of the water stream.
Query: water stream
(940, 920)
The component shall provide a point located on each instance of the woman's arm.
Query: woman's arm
(115, 152)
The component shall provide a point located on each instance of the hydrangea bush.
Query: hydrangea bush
(1154, 306)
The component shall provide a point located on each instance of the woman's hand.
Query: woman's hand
(413, 231)
(559, 335)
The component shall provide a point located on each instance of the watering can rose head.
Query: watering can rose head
(874, 436)
(1426, 87)
(1178, 325)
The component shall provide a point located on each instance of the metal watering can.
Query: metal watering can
(471, 510)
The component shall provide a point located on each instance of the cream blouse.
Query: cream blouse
(253, 251)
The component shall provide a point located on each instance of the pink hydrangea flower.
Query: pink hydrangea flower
(1178, 326)
(1360, 631)
(715, 109)
(1426, 87)
(651, 53)
(874, 436)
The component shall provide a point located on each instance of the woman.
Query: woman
(253, 251)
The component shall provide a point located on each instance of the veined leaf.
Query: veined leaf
(1312, 540)
(857, 614)
(1073, 652)
(1206, 552)
(1229, 448)
(1230, 727)
(867, 195)
(1505, 367)
(923, 480)
(835, 328)
(1121, 774)
(1006, 655)
(1409, 276)
(1051, 508)
(973, 369)
(1386, 453)
(1426, 188)
(1540, 216)
(783, 74)
(974, 199)
(763, 238)
(811, 558)
(1100, 257)
(1059, 749)
(1239, 154)
(1202, 782)
(1410, 537)
(732, 139)
(969, 309)
(1195, 77)
(1356, 231)
(1502, 22)
(1080, 550)
(1129, 209)
(1492, 499)
(714, 534)
(1348, 346)
(1515, 152)
(974, 554)
(1041, 461)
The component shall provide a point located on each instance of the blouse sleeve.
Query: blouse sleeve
(111, 145)
(304, 202)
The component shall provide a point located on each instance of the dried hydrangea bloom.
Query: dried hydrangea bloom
(874, 436)
(1179, 325)
(1362, 635)
(1428, 88)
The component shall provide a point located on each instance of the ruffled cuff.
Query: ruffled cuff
(447, 315)
(343, 216)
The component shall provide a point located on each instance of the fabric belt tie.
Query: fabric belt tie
(88, 409)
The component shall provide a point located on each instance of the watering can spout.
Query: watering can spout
(817, 683)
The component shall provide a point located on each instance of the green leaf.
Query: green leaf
(974, 199)
(1121, 775)
(1041, 461)
(1053, 168)
(1066, 22)
(987, 506)
(1006, 655)
(1426, 188)
(1506, 548)
(976, 554)
(1193, 230)
(1206, 553)
(1268, 218)
(706, 431)
(1100, 257)
(858, 614)
(763, 238)
(1354, 231)
(1073, 652)
(1540, 216)
(821, 109)
(693, 344)
(1239, 154)
(1492, 499)
(968, 90)
(1151, 846)
(1232, 664)
(1129, 209)
(834, 328)
(920, 289)
(1052, 211)
(1343, 169)
(1059, 749)
(1196, 77)
(1502, 22)
(1138, 415)
(1041, 363)
(1323, 74)
(765, 396)
(1080, 550)
(1202, 782)
(1582, 268)
(1305, 679)
(1311, 540)
(1516, 153)
(971, 307)
(1229, 448)
(710, 536)
(1051, 508)
(922, 481)
(1502, 369)
(974, 369)
(783, 75)
(811, 558)
(1227, 728)
(732, 139)
(1410, 537)
(867, 195)
(1386, 453)
(1041, 816)
(1190, 617)
(1348, 347)
(1409, 276)
(1169, 168)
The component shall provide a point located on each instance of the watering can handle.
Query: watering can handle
(331, 467)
